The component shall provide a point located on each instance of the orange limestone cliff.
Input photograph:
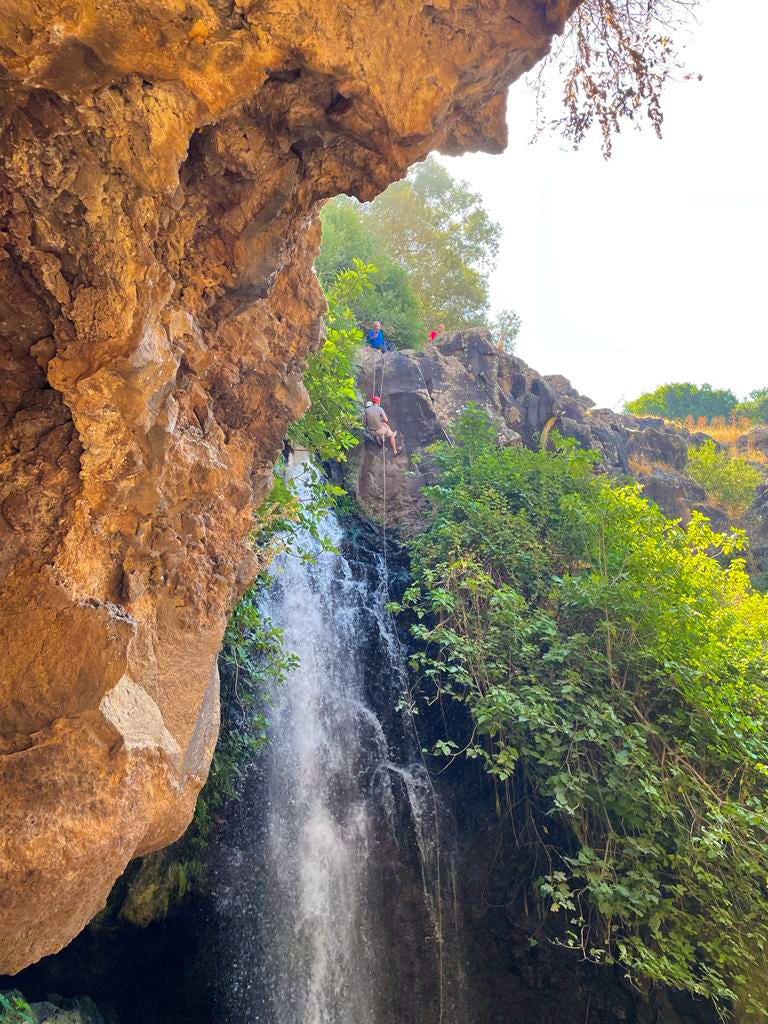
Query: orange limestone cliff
(161, 164)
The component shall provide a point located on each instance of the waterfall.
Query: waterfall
(330, 890)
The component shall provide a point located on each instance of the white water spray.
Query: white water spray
(343, 831)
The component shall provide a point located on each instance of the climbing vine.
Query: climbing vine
(612, 674)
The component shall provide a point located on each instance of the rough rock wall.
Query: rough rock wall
(161, 162)
(424, 392)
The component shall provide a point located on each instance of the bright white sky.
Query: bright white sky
(651, 267)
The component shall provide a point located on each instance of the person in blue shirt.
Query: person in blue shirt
(377, 340)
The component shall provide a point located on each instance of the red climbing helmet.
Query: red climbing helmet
(376, 400)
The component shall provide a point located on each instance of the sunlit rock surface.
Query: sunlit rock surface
(161, 163)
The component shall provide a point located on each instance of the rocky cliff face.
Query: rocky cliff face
(424, 392)
(161, 162)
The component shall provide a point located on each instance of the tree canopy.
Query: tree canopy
(433, 246)
(678, 401)
(389, 296)
(437, 229)
(755, 408)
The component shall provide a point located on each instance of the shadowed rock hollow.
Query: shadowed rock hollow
(161, 163)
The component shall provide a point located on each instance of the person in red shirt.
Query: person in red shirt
(435, 331)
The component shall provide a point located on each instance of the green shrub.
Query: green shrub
(755, 408)
(613, 677)
(730, 481)
(679, 401)
(331, 426)
(391, 297)
(14, 1009)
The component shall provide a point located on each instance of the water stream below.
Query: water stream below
(334, 891)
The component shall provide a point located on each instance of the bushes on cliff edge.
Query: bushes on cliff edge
(679, 401)
(614, 677)
(730, 481)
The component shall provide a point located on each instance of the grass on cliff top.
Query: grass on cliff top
(718, 427)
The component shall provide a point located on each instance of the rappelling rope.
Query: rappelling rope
(446, 435)
(427, 773)
(377, 358)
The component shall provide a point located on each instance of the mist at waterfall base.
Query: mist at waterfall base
(333, 897)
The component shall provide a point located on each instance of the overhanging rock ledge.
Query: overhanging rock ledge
(161, 163)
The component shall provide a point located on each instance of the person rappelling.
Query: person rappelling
(377, 424)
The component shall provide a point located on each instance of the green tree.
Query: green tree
(389, 296)
(612, 672)
(437, 229)
(755, 408)
(678, 401)
(505, 328)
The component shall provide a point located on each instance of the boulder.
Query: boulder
(753, 441)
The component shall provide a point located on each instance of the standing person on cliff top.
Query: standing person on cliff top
(435, 331)
(377, 423)
(377, 340)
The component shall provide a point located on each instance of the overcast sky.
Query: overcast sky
(651, 267)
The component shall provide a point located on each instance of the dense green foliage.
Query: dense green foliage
(331, 426)
(678, 401)
(434, 246)
(755, 408)
(437, 229)
(390, 296)
(14, 1009)
(732, 482)
(613, 676)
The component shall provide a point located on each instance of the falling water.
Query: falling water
(332, 892)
